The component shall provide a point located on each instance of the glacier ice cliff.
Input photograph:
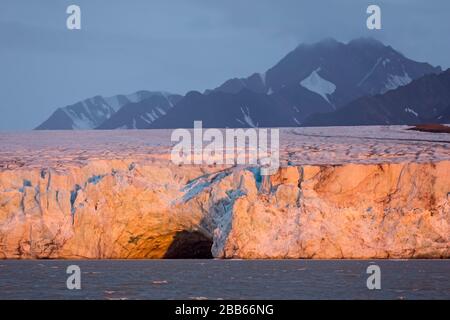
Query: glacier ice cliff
(380, 193)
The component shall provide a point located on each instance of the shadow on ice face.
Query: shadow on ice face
(189, 245)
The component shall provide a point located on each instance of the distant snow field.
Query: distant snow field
(298, 146)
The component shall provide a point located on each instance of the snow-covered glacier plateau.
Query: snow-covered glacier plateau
(340, 192)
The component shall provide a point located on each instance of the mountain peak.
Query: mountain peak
(366, 41)
(320, 77)
(329, 41)
(326, 42)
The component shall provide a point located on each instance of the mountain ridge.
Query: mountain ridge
(321, 77)
(424, 100)
(92, 112)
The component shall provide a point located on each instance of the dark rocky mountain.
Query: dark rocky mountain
(425, 100)
(90, 113)
(337, 72)
(219, 109)
(314, 78)
(139, 115)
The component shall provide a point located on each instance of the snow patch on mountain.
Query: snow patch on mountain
(263, 78)
(247, 119)
(395, 81)
(411, 111)
(367, 76)
(85, 118)
(134, 97)
(150, 116)
(161, 111)
(79, 122)
(167, 96)
(114, 102)
(315, 83)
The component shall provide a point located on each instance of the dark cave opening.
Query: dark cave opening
(189, 245)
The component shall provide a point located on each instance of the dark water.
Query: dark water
(229, 279)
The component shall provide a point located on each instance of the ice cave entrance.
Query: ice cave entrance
(189, 245)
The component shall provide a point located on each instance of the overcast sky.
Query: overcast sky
(181, 45)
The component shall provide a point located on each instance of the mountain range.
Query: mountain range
(327, 83)
(425, 100)
(117, 110)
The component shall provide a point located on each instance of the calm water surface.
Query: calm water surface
(225, 279)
